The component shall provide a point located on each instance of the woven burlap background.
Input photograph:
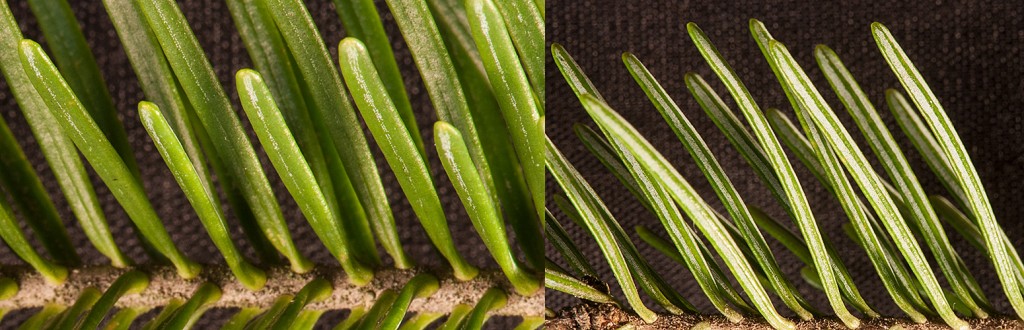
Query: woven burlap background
(969, 52)
(212, 24)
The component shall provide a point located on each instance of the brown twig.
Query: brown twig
(166, 285)
(589, 316)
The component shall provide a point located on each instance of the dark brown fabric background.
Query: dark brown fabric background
(212, 24)
(969, 52)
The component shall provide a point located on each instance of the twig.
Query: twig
(166, 285)
(605, 316)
